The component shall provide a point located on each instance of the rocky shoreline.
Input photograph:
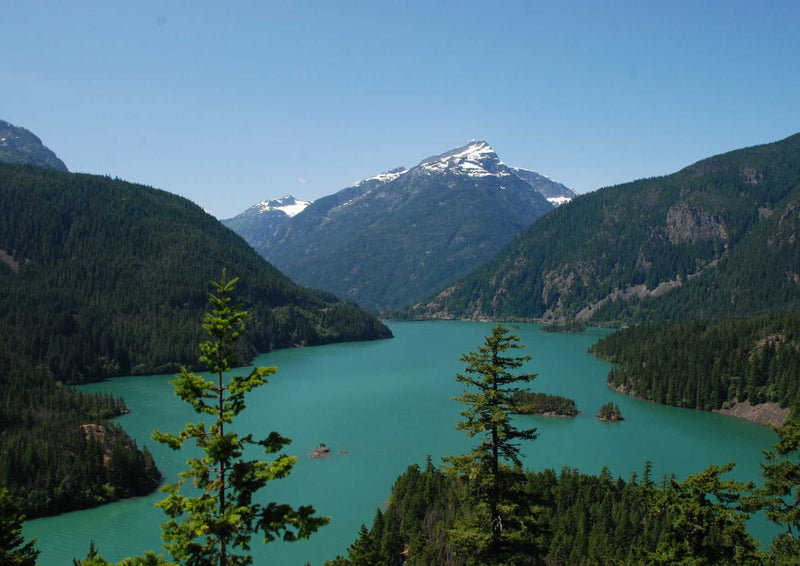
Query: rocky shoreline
(766, 414)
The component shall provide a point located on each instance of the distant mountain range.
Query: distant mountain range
(18, 145)
(393, 238)
(260, 221)
(720, 238)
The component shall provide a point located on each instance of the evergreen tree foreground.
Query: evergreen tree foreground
(501, 527)
(215, 527)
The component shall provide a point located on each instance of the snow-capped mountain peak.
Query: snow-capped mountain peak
(476, 159)
(287, 204)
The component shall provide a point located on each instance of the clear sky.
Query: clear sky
(231, 103)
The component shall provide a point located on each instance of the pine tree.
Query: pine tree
(707, 521)
(14, 551)
(207, 528)
(780, 495)
(499, 526)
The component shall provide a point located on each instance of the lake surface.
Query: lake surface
(388, 405)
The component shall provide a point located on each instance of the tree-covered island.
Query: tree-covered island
(535, 403)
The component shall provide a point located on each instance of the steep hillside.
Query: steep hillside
(717, 239)
(397, 237)
(18, 145)
(99, 277)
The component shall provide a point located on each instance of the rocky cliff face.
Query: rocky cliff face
(688, 225)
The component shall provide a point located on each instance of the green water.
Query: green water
(388, 404)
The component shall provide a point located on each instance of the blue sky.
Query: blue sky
(232, 103)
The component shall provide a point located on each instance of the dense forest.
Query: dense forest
(99, 277)
(717, 239)
(532, 403)
(578, 519)
(58, 449)
(707, 365)
(571, 325)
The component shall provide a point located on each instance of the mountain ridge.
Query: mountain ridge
(110, 278)
(395, 236)
(21, 146)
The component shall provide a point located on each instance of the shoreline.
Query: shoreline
(764, 414)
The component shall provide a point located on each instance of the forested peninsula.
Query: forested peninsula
(709, 365)
(59, 451)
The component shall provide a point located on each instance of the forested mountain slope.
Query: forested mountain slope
(397, 237)
(720, 238)
(99, 277)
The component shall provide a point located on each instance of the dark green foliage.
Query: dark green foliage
(610, 413)
(99, 277)
(58, 450)
(14, 551)
(721, 234)
(704, 365)
(780, 494)
(707, 525)
(499, 527)
(530, 403)
(207, 528)
(93, 558)
(568, 326)
(582, 519)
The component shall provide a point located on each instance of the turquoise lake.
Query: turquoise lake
(388, 404)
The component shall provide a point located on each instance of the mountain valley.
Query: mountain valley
(392, 238)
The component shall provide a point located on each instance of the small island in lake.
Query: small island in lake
(564, 327)
(530, 403)
(321, 451)
(610, 413)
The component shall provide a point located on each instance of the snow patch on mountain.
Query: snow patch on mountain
(558, 201)
(287, 204)
(476, 159)
(386, 177)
